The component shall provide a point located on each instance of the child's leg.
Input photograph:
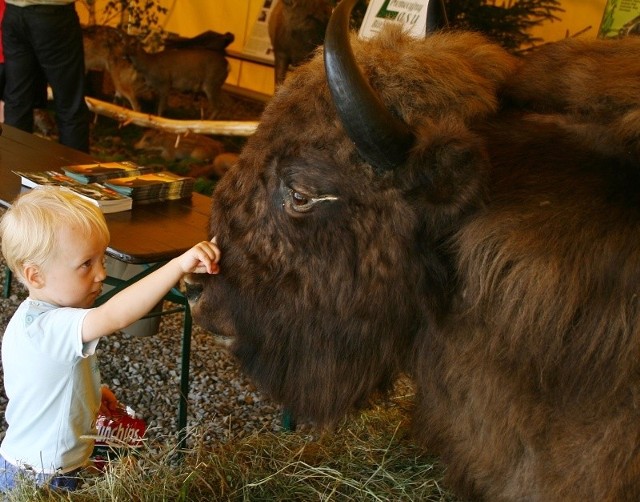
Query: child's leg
(8, 475)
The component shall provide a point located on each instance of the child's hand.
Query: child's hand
(109, 405)
(201, 258)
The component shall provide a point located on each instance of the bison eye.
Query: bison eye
(298, 199)
(299, 202)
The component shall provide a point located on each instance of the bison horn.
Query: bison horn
(436, 16)
(381, 138)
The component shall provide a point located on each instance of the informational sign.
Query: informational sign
(621, 18)
(258, 44)
(411, 14)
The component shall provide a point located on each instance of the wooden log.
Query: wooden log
(127, 116)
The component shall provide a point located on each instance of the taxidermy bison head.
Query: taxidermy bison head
(442, 209)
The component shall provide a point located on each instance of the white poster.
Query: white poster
(412, 14)
(258, 44)
(621, 18)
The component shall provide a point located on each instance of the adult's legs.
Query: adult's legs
(20, 66)
(55, 35)
(57, 40)
(40, 98)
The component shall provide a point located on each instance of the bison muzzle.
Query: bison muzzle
(490, 250)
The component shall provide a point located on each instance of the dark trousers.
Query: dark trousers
(47, 39)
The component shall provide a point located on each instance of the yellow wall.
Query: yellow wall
(578, 15)
(190, 17)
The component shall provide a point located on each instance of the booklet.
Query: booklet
(153, 187)
(100, 172)
(108, 200)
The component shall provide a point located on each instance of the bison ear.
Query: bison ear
(445, 170)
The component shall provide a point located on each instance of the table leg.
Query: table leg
(178, 298)
(7, 281)
(288, 421)
(184, 376)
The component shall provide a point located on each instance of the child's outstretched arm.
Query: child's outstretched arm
(134, 302)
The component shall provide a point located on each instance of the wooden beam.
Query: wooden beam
(216, 127)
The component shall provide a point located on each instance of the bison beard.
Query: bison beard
(498, 265)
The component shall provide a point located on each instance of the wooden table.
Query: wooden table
(147, 235)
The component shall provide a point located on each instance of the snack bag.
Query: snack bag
(118, 431)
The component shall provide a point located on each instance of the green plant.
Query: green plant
(140, 17)
(507, 22)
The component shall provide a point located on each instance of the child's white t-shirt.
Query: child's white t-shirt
(52, 381)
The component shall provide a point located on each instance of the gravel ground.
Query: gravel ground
(144, 373)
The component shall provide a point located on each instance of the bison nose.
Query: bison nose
(193, 289)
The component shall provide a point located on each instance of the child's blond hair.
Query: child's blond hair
(29, 228)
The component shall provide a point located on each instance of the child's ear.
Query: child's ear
(33, 276)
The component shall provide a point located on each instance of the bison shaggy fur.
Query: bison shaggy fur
(498, 266)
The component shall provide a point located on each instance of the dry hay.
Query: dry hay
(370, 457)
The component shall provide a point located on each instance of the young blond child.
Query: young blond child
(55, 243)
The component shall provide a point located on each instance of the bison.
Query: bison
(443, 209)
(296, 28)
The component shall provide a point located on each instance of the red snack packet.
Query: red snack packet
(118, 432)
